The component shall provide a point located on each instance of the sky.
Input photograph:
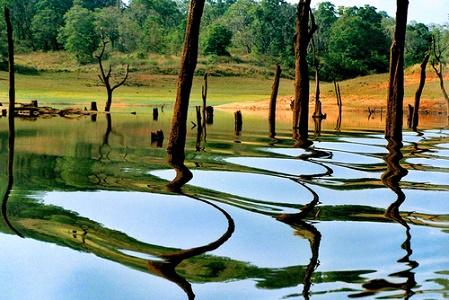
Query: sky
(425, 11)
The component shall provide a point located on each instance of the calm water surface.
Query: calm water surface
(352, 217)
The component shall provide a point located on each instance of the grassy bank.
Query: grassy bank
(55, 79)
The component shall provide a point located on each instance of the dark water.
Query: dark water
(260, 219)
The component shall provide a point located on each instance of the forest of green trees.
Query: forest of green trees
(351, 41)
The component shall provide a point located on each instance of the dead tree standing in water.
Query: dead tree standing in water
(395, 99)
(437, 65)
(105, 78)
(339, 105)
(303, 37)
(422, 82)
(274, 94)
(177, 138)
(12, 134)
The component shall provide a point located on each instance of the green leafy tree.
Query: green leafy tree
(107, 23)
(218, 39)
(93, 4)
(325, 17)
(239, 18)
(274, 28)
(418, 42)
(358, 45)
(79, 35)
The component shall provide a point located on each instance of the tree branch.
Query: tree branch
(124, 79)
(313, 26)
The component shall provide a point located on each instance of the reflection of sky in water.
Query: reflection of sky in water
(377, 246)
(285, 166)
(430, 162)
(248, 185)
(353, 148)
(427, 177)
(39, 271)
(171, 221)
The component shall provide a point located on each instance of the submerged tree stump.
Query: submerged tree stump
(410, 116)
(157, 137)
(93, 106)
(238, 122)
(209, 115)
(274, 94)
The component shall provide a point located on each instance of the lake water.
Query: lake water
(260, 219)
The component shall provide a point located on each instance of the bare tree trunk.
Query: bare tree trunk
(274, 94)
(317, 111)
(109, 100)
(395, 99)
(302, 85)
(422, 82)
(439, 72)
(204, 97)
(177, 138)
(105, 78)
(11, 124)
(339, 105)
(12, 80)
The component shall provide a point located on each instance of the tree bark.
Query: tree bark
(274, 94)
(11, 124)
(422, 82)
(12, 90)
(177, 137)
(302, 85)
(395, 98)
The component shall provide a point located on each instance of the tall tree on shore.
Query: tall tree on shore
(303, 37)
(395, 99)
(177, 138)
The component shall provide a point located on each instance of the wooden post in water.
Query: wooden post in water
(204, 95)
(303, 37)
(422, 82)
(204, 108)
(238, 122)
(274, 94)
(199, 128)
(393, 129)
(209, 115)
(410, 116)
(339, 105)
(177, 137)
(93, 106)
(157, 137)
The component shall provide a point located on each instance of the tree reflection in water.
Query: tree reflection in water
(10, 173)
(166, 268)
(309, 232)
(391, 179)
